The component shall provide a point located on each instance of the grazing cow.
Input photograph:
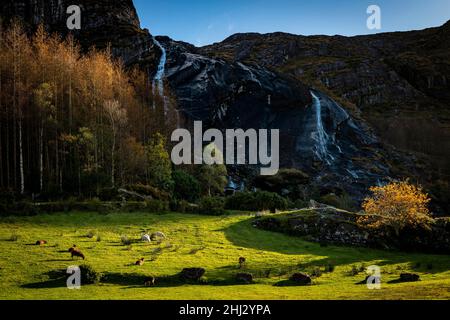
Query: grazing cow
(241, 262)
(140, 262)
(149, 282)
(158, 235)
(41, 242)
(76, 252)
(146, 238)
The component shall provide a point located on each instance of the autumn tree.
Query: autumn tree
(67, 116)
(117, 118)
(43, 97)
(396, 205)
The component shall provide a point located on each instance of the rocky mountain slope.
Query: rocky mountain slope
(103, 22)
(317, 135)
(341, 103)
(396, 82)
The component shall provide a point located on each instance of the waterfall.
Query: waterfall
(320, 136)
(158, 80)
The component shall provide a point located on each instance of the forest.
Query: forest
(75, 123)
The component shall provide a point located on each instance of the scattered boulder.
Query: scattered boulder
(192, 274)
(246, 278)
(149, 282)
(301, 279)
(316, 205)
(409, 277)
(146, 238)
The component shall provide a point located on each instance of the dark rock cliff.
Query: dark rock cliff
(103, 22)
(397, 83)
(317, 135)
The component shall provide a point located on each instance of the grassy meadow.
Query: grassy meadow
(213, 243)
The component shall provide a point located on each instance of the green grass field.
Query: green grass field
(214, 243)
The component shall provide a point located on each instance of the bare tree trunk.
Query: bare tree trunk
(41, 158)
(1, 147)
(22, 176)
(1, 119)
(113, 163)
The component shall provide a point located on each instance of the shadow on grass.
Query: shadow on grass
(289, 283)
(135, 280)
(243, 234)
(57, 260)
(57, 279)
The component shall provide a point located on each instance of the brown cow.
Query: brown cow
(140, 262)
(41, 242)
(241, 262)
(76, 252)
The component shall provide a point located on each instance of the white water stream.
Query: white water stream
(320, 135)
(158, 80)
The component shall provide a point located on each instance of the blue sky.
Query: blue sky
(202, 22)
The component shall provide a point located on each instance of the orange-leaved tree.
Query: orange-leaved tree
(396, 205)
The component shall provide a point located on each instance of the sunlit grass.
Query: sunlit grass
(214, 243)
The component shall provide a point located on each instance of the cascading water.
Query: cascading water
(320, 136)
(158, 80)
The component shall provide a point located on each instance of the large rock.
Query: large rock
(409, 277)
(301, 279)
(192, 274)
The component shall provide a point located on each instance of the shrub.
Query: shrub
(214, 206)
(316, 272)
(108, 194)
(156, 206)
(396, 205)
(90, 234)
(257, 201)
(125, 240)
(329, 268)
(148, 191)
(133, 206)
(186, 186)
(289, 180)
(183, 206)
(89, 275)
(94, 205)
(24, 208)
